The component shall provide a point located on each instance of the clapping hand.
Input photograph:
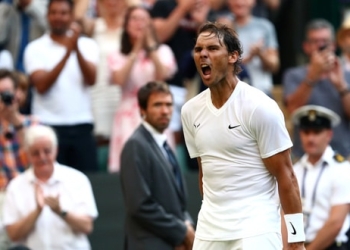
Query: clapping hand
(54, 203)
(150, 40)
(39, 196)
(72, 36)
(255, 50)
(336, 76)
(321, 62)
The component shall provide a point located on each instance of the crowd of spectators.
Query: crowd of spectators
(77, 65)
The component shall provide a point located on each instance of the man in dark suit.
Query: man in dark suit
(152, 185)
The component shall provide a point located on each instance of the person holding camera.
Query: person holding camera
(321, 82)
(12, 157)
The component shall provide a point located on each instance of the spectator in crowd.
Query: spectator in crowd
(323, 176)
(152, 185)
(239, 138)
(6, 61)
(321, 82)
(141, 59)
(12, 157)
(176, 23)
(21, 22)
(49, 206)
(106, 30)
(260, 46)
(62, 67)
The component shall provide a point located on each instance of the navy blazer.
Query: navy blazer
(155, 206)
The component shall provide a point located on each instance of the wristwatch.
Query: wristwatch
(63, 214)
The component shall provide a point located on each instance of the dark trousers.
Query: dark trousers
(77, 147)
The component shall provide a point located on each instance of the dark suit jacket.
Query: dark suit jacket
(155, 206)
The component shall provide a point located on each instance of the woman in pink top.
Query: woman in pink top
(141, 59)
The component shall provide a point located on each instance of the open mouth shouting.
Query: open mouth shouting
(206, 70)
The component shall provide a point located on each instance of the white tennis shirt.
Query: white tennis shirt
(239, 192)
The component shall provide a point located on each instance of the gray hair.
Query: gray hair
(317, 24)
(34, 132)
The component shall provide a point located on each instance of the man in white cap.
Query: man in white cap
(323, 176)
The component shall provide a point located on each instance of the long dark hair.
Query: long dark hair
(228, 36)
(126, 45)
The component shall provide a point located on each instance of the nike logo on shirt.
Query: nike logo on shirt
(231, 127)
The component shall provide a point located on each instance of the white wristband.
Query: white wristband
(295, 227)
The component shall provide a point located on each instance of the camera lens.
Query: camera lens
(7, 98)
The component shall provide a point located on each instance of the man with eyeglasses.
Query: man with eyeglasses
(320, 82)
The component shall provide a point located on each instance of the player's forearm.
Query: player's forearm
(21, 229)
(290, 195)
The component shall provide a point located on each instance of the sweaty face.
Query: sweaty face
(315, 141)
(159, 111)
(212, 59)
(59, 17)
(42, 154)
